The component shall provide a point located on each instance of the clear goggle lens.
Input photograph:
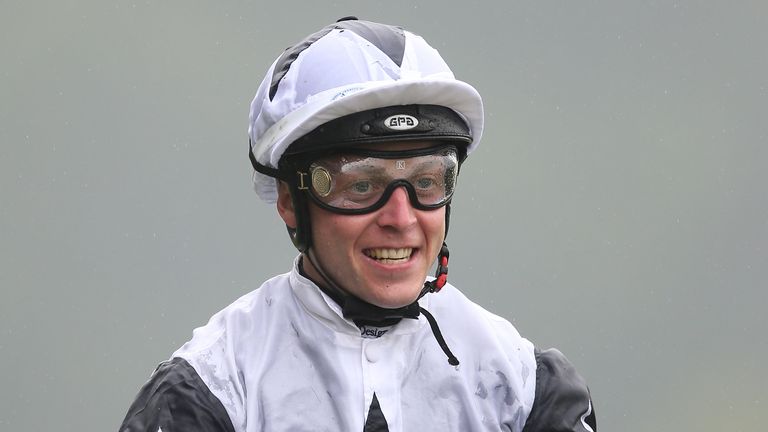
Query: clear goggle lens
(362, 182)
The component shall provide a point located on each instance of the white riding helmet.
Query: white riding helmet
(349, 67)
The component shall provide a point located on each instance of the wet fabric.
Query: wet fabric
(283, 358)
(175, 399)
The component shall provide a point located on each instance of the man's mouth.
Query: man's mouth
(389, 255)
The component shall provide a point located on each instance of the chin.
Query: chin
(396, 298)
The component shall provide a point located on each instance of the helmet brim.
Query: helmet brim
(338, 102)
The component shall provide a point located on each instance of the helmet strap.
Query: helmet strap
(301, 234)
(441, 273)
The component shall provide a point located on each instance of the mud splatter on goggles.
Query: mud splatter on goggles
(361, 181)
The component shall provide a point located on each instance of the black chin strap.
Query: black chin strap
(363, 313)
(452, 360)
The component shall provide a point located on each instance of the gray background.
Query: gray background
(616, 208)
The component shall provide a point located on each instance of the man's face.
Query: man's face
(381, 257)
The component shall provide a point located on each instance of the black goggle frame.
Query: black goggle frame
(302, 164)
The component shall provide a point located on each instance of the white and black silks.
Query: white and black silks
(283, 358)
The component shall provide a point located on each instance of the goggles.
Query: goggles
(361, 181)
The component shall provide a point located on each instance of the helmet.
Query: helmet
(349, 67)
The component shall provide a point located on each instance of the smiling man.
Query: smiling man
(357, 134)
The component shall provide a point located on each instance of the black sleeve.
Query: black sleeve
(562, 401)
(176, 399)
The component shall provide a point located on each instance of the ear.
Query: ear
(285, 204)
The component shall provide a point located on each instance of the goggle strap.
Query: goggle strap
(263, 169)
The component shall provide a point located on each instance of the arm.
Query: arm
(176, 399)
(562, 402)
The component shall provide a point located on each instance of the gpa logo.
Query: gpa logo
(401, 122)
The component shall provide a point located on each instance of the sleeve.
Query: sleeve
(175, 399)
(562, 401)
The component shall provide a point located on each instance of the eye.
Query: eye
(425, 183)
(361, 187)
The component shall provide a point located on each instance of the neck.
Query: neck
(366, 314)
(354, 308)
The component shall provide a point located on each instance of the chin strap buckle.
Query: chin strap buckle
(441, 273)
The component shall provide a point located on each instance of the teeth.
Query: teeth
(389, 254)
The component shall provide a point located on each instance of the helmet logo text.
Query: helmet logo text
(401, 122)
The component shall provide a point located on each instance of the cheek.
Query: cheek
(434, 225)
(335, 232)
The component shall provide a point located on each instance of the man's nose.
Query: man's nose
(397, 211)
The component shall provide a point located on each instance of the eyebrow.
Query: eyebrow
(356, 167)
(378, 171)
(425, 163)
